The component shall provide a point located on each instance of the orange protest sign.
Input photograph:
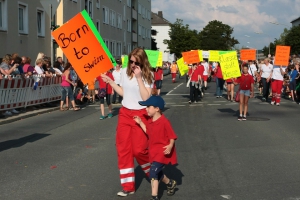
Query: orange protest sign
(83, 47)
(282, 55)
(191, 57)
(248, 54)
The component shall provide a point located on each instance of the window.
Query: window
(129, 3)
(98, 4)
(119, 49)
(3, 14)
(140, 9)
(124, 12)
(128, 48)
(113, 18)
(107, 43)
(40, 22)
(23, 18)
(98, 25)
(105, 15)
(89, 7)
(113, 48)
(124, 36)
(119, 21)
(143, 11)
(149, 15)
(129, 25)
(140, 30)
(143, 31)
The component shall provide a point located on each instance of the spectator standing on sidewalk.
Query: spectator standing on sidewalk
(266, 75)
(277, 81)
(91, 92)
(131, 141)
(293, 74)
(117, 77)
(158, 78)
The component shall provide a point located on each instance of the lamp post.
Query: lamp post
(268, 39)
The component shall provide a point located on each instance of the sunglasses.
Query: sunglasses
(135, 63)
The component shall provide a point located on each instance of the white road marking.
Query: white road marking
(213, 104)
(174, 89)
(177, 94)
(178, 105)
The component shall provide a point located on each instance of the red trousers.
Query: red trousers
(276, 90)
(131, 142)
(173, 76)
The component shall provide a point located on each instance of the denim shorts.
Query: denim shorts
(245, 92)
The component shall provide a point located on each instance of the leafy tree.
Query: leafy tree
(293, 39)
(217, 36)
(182, 38)
(281, 39)
(265, 50)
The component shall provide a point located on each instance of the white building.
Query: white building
(161, 26)
(296, 22)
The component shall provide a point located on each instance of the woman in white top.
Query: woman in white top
(266, 75)
(277, 81)
(135, 85)
(117, 76)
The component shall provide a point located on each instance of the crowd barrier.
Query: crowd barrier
(21, 93)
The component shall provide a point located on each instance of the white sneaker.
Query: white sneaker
(15, 111)
(272, 103)
(277, 104)
(124, 193)
(8, 113)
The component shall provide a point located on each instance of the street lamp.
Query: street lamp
(268, 39)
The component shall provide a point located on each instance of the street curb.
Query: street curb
(17, 118)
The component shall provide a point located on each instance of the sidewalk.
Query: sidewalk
(30, 112)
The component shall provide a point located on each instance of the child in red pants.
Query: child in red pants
(161, 144)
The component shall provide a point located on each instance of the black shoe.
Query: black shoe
(171, 187)
(244, 118)
(240, 118)
(190, 102)
(154, 198)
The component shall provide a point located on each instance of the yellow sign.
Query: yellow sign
(183, 68)
(213, 56)
(230, 65)
(160, 59)
(200, 55)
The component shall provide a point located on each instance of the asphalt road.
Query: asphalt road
(71, 155)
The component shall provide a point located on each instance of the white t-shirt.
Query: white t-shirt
(39, 70)
(131, 91)
(206, 68)
(117, 76)
(252, 69)
(277, 73)
(266, 70)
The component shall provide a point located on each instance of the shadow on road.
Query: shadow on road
(21, 141)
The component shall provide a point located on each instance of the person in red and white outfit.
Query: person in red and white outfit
(131, 141)
(277, 81)
(158, 77)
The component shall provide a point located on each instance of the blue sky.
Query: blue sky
(245, 16)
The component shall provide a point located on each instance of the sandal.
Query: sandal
(76, 108)
(62, 109)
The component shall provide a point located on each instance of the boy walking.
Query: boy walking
(161, 144)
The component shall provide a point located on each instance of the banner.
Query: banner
(282, 55)
(229, 65)
(248, 54)
(191, 57)
(83, 46)
(205, 54)
(183, 68)
(124, 61)
(152, 57)
(213, 56)
(160, 59)
(200, 55)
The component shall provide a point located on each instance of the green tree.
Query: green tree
(217, 36)
(182, 38)
(293, 39)
(281, 39)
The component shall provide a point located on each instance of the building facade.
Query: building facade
(123, 25)
(296, 22)
(161, 27)
(24, 28)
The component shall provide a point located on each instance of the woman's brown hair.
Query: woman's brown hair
(67, 66)
(141, 57)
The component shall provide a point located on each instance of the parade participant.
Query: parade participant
(117, 77)
(292, 85)
(91, 92)
(194, 83)
(161, 144)
(131, 142)
(201, 72)
(174, 70)
(206, 73)
(158, 77)
(219, 80)
(104, 92)
(246, 83)
(266, 74)
(230, 90)
(277, 81)
(252, 69)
